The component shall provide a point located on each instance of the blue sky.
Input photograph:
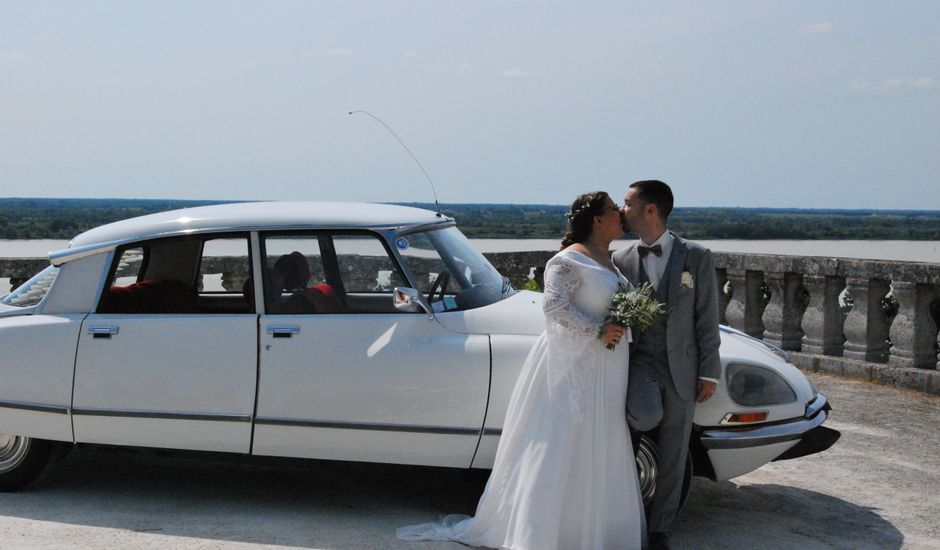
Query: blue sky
(734, 103)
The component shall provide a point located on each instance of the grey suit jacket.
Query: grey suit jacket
(692, 338)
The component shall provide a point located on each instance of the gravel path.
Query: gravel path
(878, 487)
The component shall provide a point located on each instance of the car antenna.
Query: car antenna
(413, 157)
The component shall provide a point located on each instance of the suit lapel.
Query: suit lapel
(632, 263)
(676, 265)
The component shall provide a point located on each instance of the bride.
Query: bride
(564, 475)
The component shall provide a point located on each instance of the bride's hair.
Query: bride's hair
(581, 217)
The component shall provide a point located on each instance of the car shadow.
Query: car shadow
(148, 493)
(186, 498)
(731, 515)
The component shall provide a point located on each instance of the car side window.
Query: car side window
(329, 273)
(180, 275)
(368, 273)
(295, 278)
(223, 284)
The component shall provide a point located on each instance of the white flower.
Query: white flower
(687, 280)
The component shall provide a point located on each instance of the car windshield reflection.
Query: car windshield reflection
(449, 271)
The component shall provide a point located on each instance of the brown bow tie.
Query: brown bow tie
(645, 250)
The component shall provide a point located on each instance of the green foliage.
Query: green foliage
(65, 218)
(531, 284)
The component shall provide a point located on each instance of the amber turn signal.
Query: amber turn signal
(744, 418)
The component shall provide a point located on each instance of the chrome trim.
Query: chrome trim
(816, 405)
(38, 407)
(743, 438)
(122, 413)
(282, 329)
(442, 223)
(331, 424)
(102, 329)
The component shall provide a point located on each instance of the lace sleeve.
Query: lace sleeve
(562, 280)
(571, 335)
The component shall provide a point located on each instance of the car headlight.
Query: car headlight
(753, 386)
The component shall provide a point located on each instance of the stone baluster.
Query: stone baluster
(734, 312)
(723, 297)
(822, 321)
(866, 328)
(913, 332)
(783, 313)
(745, 308)
(234, 280)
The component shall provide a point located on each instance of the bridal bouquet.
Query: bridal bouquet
(635, 307)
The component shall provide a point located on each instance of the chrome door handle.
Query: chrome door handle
(102, 331)
(283, 331)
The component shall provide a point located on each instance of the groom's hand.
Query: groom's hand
(706, 389)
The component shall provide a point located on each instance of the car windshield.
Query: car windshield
(449, 271)
(32, 291)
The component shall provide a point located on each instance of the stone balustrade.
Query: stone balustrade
(872, 319)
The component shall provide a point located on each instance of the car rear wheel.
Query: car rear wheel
(646, 453)
(22, 459)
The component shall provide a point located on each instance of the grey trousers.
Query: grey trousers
(652, 400)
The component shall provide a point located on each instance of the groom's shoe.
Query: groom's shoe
(658, 541)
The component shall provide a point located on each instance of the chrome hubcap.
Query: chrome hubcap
(646, 460)
(13, 449)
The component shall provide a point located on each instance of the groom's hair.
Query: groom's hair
(655, 192)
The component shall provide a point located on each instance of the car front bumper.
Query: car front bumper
(740, 437)
(735, 450)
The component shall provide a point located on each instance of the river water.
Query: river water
(909, 251)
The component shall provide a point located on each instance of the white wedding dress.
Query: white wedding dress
(564, 476)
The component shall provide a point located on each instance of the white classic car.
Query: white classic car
(341, 331)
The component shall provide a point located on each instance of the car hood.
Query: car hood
(520, 313)
(737, 345)
(6, 310)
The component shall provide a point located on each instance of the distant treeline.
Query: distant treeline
(65, 218)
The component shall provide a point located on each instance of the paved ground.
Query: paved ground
(879, 487)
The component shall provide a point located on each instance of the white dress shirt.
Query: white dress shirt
(655, 266)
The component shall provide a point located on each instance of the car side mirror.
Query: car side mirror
(408, 300)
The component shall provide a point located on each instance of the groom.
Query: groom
(676, 364)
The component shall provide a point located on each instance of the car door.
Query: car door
(169, 359)
(344, 375)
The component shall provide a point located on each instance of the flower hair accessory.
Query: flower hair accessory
(575, 212)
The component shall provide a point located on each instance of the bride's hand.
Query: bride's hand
(611, 333)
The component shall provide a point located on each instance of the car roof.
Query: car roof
(247, 216)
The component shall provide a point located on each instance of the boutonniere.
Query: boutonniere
(687, 280)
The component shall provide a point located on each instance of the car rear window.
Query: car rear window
(32, 291)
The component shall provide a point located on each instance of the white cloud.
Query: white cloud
(516, 73)
(894, 85)
(409, 55)
(434, 68)
(338, 52)
(816, 28)
(8, 58)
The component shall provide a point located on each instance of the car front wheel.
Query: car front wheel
(647, 465)
(22, 459)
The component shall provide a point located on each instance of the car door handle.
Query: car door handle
(283, 331)
(102, 331)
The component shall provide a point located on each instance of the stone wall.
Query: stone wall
(870, 319)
